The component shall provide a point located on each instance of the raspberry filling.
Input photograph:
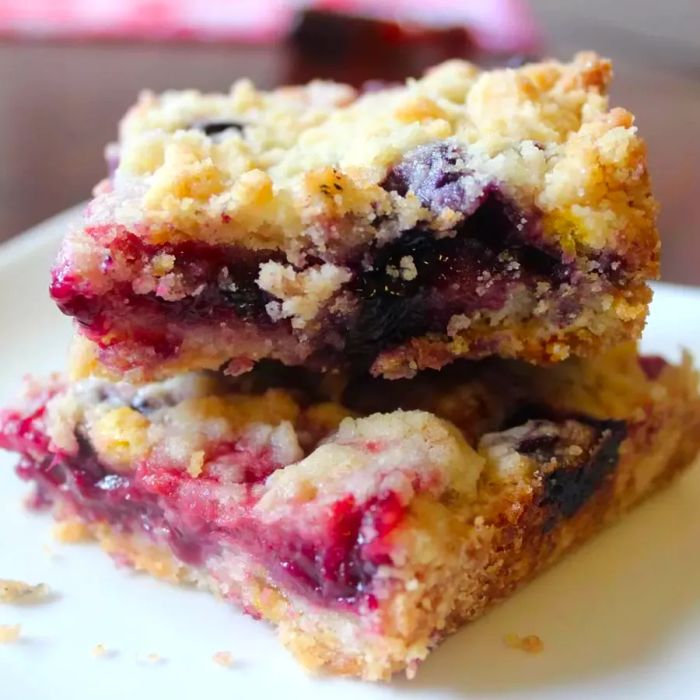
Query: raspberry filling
(652, 365)
(333, 566)
(215, 284)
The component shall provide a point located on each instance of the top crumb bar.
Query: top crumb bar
(464, 214)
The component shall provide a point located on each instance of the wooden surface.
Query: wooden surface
(59, 103)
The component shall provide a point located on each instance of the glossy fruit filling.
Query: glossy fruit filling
(333, 563)
(207, 284)
(407, 288)
(326, 550)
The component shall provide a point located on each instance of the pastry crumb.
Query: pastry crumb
(12, 591)
(9, 633)
(223, 658)
(99, 651)
(530, 643)
(196, 464)
(70, 531)
(152, 658)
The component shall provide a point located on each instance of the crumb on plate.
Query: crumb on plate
(69, 531)
(12, 591)
(411, 670)
(223, 658)
(530, 643)
(99, 650)
(9, 633)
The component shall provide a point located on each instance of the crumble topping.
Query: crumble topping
(121, 433)
(183, 418)
(543, 128)
(196, 463)
(302, 294)
(12, 591)
(501, 453)
(177, 418)
(399, 452)
(406, 270)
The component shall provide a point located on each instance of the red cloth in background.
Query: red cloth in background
(261, 20)
(500, 26)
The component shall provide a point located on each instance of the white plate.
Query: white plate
(620, 618)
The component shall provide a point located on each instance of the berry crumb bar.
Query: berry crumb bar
(464, 214)
(365, 521)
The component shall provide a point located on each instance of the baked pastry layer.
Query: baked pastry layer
(465, 214)
(364, 536)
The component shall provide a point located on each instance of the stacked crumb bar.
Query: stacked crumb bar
(361, 362)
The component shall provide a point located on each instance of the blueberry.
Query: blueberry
(571, 478)
(394, 306)
(386, 321)
(212, 127)
(439, 175)
(248, 300)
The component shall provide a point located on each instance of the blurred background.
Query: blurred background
(70, 68)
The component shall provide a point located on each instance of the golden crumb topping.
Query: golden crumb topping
(179, 419)
(281, 163)
(121, 433)
(396, 451)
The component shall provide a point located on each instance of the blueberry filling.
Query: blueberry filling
(416, 283)
(576, 474)
(225, 277)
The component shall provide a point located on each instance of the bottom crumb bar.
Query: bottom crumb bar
(366, 521)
